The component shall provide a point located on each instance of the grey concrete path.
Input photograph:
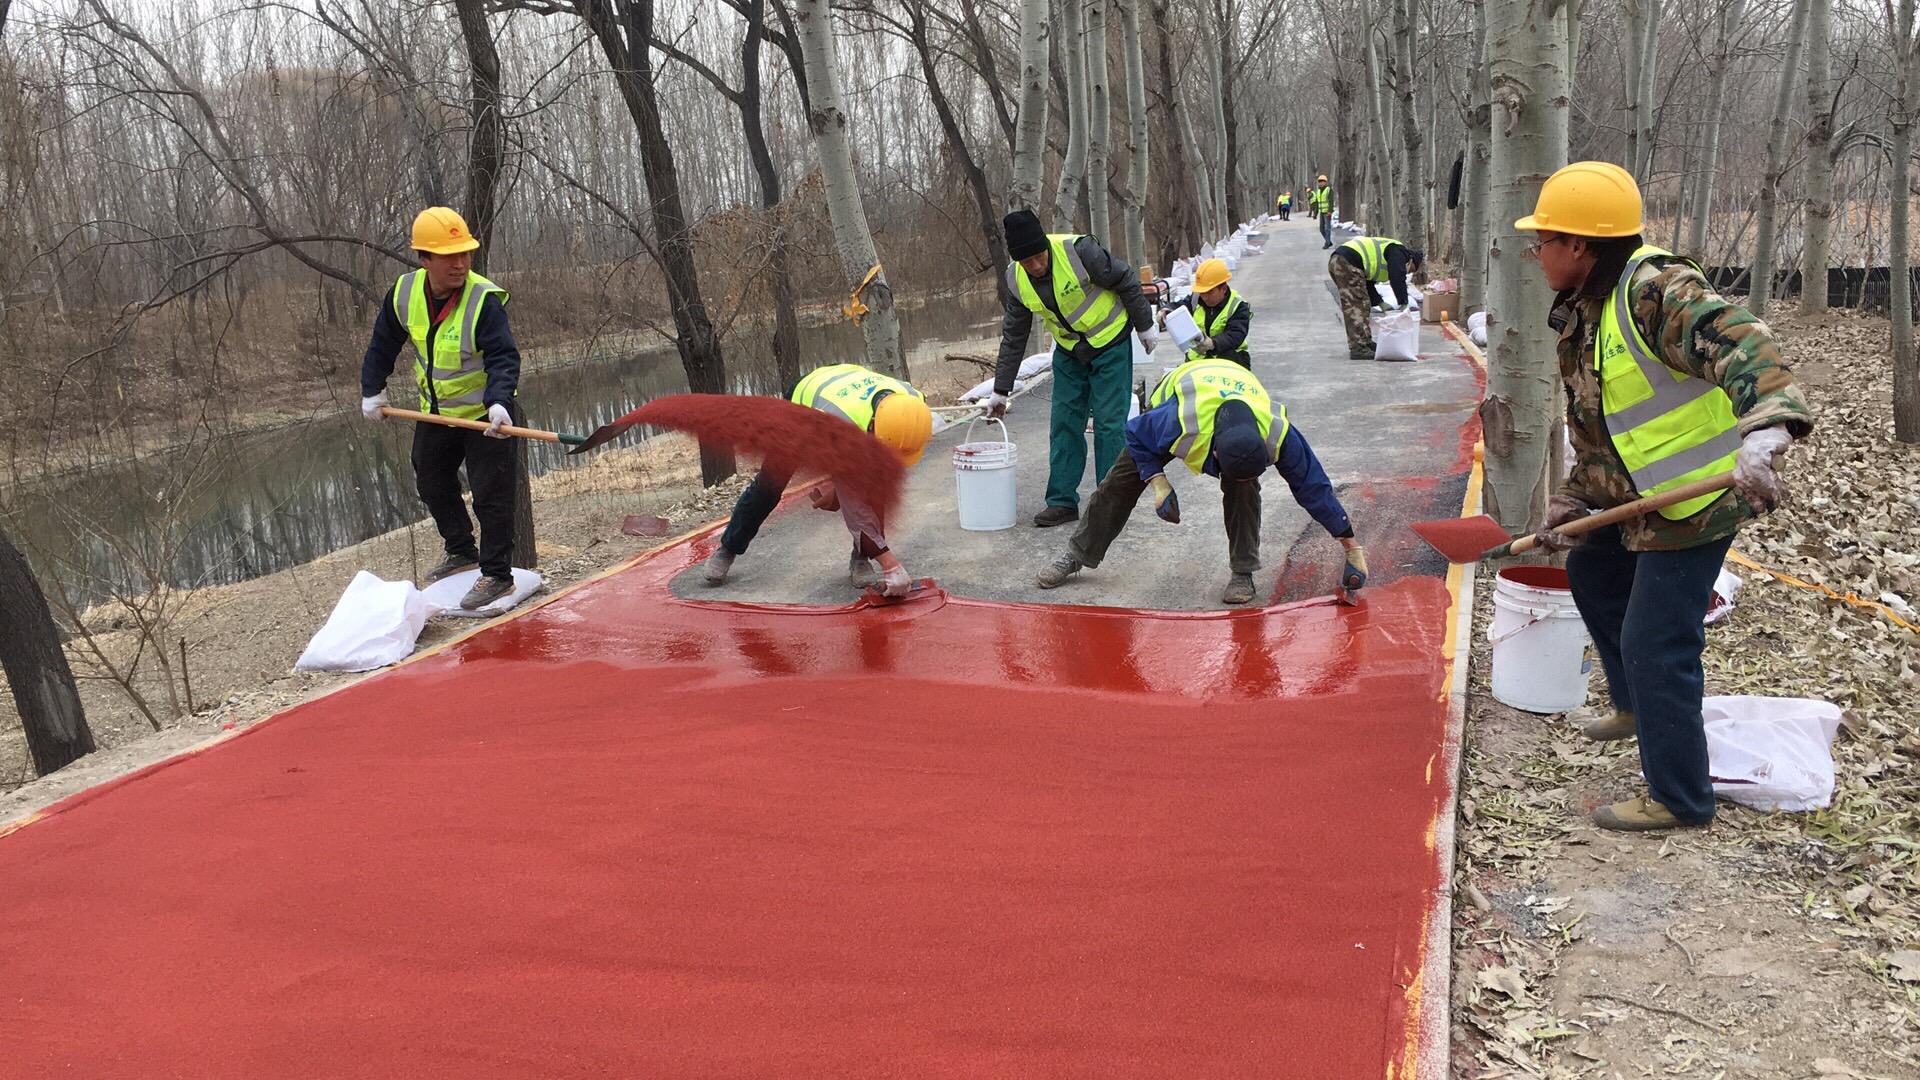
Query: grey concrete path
(1388, 434)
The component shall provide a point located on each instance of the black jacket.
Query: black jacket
(1106, 271)
(491, 335)
(1396, 259)
(1227, 341)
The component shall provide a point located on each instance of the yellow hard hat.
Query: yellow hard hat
(1211, 274)
(441, 230)
(1587, 198)
(903, 422)
(1322, 178)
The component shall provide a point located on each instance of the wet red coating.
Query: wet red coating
(793, 438)
(1538, 577)
(631, 836)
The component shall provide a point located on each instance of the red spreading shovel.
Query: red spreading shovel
(1465, 540)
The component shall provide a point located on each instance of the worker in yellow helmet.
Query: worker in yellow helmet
(1320, 204)
(1666, 383)
(893, 412)
(1223, 317)
(1283, 206)
(466, 366)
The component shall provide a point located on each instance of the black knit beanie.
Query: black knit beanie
(1025, 236)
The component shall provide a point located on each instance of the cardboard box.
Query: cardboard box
(1435, 306)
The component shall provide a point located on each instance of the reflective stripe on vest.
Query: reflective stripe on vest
(1669, 428)
(1092, 313)
(1202, 386)
(848, 392)
(1373, 254)
(456, 386)
(1218, 323)
(1321, 198)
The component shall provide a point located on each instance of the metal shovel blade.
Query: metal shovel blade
(1463, 539)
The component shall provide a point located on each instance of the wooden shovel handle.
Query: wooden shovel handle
(1615, 514)
(471, 425)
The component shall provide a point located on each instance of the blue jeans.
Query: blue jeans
(1326, 228)
(1644, 611)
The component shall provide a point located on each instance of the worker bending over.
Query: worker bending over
(1215, 416)
(890, 410)
(1283, 206)
(1666, 384)
(1355, 267)
(1222, 316)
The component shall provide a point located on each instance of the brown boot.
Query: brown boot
(1621, 725)
(1642, 814)
(1239, 590)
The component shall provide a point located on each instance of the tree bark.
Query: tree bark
(1526, 50)
(852, 237)
(1231, 198)
(1384, 217)
(1906, 104)
(1413, 217)
(1473, 275)
(1819, 206)
(1099, 120)
(956, 140)
(1073, 171)
(1138, 160)
(36, 668)
(1642, 48)
(1030, 149)
(1187, 212)
(1222, 164)
(624, 29)
(1761, 273)
(786, 325)
(1716, 106)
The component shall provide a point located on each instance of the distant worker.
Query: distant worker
(1320, 201)
(1088, 300)
(1666, 384)
(1215, 416)
(1283, 206)
(466, 366)
(893, 412)
(1222, 316)
(1356, 266)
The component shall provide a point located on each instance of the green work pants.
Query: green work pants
(1099, 389)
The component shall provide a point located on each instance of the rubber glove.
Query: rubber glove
(1756, 467)
(1561, 510)
(1165, 502)
(1355, 574)
(1205, 343)
(896, 581)
(996, 405)
(497, 417)
(1160, 319)
(1149, 340)
(370, 406)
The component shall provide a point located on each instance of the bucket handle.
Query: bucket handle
(1495, 639)
(968, 437)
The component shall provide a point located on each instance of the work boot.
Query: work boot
(485, 591)
(861, 573)
(1056, 515)
(718, 564)
(1359, 352)
(1642, 814)
(449, 566)
(1239, 589)
(1621, 725)
(1057, 573)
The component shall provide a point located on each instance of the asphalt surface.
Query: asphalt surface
(1389, 434)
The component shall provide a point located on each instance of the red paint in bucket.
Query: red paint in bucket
(1538, 577)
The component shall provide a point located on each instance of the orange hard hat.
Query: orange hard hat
(904, 423)
(441, 230)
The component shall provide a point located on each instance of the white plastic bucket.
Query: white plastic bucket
(1539, 642)
(983, 482)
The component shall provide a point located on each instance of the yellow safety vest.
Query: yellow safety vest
(1373, 254)
(848, 392)
(1092, 313)
(449, 369)
(1670, 428)
(1322, 199)
(1214, 326)
(1202, 386)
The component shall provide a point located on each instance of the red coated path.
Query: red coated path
(630, 836)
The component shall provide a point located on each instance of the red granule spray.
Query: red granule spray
(789, 437)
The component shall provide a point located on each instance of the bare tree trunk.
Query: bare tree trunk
(1232, 205)
(1760, 273)
(1413, 219)
(852, 237)
(1222, 165)
(1073, 171)
(624, 29)
(1134, 212)
(1906, 103)
(1473, 277)
(1819, 208)
(786, 325)
(956, 140)
(1716, 105)
(1642, 48)
(1385, 217)
(1181, 140)
(1030, 149)
(1203, 182)
(36, 666)
(1526, 48)
(1099, 119)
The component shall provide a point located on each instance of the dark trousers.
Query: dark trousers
(1099, 389)
(1326, 228)
(1644, 611)
(763, 493)
(438, 453)
(1113, 502)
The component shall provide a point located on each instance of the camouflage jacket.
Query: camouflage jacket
(1693, 330)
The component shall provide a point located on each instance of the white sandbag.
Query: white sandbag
(1771, 753)
(444, 595)
(1396, 335)
(375, 624)
(1477, 328)
(1385, 290)
(1725, 588)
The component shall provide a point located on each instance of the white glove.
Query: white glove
(1755, 467)
(896, 582)
(997, 405)
(497, 416)
(370, 406)
(1205, 343)
(1148, 340)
